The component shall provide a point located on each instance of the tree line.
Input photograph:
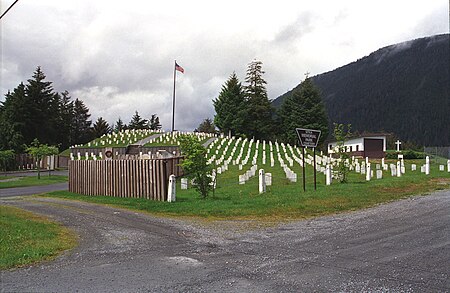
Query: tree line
(35, 111)
(245, 110)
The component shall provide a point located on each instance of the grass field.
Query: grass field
(282, 201)
(11, 181)
(26, 238)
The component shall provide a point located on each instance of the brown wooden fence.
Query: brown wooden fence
(123, 178)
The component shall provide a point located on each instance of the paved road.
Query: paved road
(20, 191)
(398, 247)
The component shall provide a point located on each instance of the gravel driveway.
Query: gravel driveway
(402, 246)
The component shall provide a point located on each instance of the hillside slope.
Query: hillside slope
(403, 89)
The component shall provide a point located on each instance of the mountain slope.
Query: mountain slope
(403, 89)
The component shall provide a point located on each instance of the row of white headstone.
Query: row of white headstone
(324, 164)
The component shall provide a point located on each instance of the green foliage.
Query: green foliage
(230, 107)
(342, 166)
(7, 160)
(195, 164)
(304, 109)
(39, 151)
(207, 126)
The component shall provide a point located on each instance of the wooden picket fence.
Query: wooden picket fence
(123, 178)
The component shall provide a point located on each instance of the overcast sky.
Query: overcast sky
(118, 56)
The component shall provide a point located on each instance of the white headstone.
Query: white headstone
(268, 179)
(328, 174)
(379, 174)
(413, 167)
(262, 181)
(448, 165)
(427, 165)
(399, 169)
(441, 167)
(368, 172)
(184, 183)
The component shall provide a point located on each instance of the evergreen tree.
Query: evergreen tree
(259, 111)
(119, 126)
(81, 125)
(206, 126)
(66, 114)
(230, 107)
(304, 109)
(13, 116)
(100, 127)
(42, 122)
(154, 123)
(137, 122)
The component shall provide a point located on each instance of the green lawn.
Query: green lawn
(26, 238)
(284, 200)
(14, 181)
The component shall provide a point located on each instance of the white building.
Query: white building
(371, 146)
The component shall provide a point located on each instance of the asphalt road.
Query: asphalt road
(21, 191)
(402, 246)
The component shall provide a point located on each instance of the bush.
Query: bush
(407, 155)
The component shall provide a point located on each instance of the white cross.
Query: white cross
(398, 143)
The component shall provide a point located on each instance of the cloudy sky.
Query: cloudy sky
(118, 56)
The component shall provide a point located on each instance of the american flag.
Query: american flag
(179, 68)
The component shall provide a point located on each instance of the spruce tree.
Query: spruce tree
(259, 111)
(137, 122)
(100, 127)
(206, 126)
(42, 122)
(81, 125)
(230, 107)
(303, 109)
(119, 126)
(154, 123)
(66, 114)
(13, 119)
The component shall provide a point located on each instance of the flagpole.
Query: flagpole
(173, 101)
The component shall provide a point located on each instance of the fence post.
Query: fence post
(171, 192)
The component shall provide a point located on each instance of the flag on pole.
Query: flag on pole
(179, 68)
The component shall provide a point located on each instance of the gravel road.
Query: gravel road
(402, 246)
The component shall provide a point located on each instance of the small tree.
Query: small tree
(195, 164)
(342, 164)
(206, 126)
(7, 160)
(39, 151)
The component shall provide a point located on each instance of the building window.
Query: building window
(357, 147)
(351, 149)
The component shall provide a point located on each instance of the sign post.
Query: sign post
(308, 138)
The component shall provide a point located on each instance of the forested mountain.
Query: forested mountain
(401, 89)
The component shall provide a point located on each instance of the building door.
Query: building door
(373, 148)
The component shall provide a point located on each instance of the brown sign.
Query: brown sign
(308, 137)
